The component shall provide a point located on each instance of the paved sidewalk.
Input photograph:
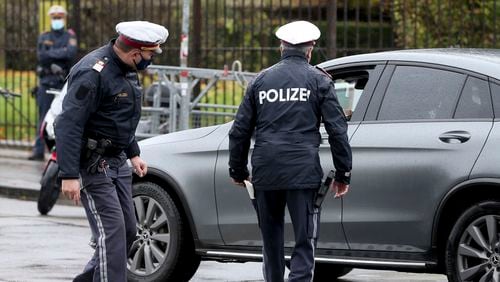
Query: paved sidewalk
(19, 177)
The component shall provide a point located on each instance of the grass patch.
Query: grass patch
(18, 115)
(223, 93)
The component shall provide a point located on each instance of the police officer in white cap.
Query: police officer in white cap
(95, 135)
(56, 52)
(285, 105)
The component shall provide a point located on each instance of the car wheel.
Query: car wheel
(329, 272)
(164, 249)
(472, 252)
(50, 188)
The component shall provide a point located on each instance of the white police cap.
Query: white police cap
(56, 9)
(142, 35)
(298, 32)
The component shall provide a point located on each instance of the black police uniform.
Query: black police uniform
(285, 105)
(103, 103)
(56, 51)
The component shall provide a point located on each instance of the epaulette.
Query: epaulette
(100, 64)
(324, 72)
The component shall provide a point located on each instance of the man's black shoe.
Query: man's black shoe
(36, 158)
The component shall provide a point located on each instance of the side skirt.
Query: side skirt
(224, 255)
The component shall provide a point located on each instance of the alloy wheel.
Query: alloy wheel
(478, 256)
(149, 250)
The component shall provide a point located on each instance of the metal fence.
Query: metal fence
(223, 31)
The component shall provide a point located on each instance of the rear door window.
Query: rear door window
(475, 101)
(420, 93)
(495, 93)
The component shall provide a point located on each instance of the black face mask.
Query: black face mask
(143, 63)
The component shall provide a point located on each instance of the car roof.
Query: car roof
(483, 61)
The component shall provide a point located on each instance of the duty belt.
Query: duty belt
(96, 152)
(103, 147)
(289, 138)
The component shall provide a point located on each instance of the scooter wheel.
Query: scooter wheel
(51, 187)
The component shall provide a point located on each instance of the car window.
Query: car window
(349, 87)
(475, 101)
(420, 93)
(495, 93)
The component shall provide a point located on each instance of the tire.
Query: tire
(163, 233)
(326, 272)
(472, 251)
(329, 272)
(50, 188)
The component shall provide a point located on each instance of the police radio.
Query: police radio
(323, 190)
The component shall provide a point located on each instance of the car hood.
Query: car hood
(185, 135)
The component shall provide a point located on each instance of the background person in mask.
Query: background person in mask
(95, 135)
(56, 51)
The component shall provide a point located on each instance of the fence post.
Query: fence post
(196, 40)
(332, 29)
(3, 41)
(75, 18)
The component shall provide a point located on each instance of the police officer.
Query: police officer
(285, 105)
(56, 51)
(95, 135)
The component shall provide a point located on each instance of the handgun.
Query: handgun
(323, 189)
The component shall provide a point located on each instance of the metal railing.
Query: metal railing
(172, 87)
(222, 31)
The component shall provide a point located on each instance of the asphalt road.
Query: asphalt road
(54, 248)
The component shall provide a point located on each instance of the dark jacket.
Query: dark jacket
(285, 105)
(57, 47)
(103, 102)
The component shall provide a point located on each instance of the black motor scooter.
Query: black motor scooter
(50, 183)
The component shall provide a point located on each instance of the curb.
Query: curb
(28, 195)
(19, 193)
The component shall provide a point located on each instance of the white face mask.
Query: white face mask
(57, 24)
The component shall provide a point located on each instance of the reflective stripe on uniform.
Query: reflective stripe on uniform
(101, 242)
(313, 239)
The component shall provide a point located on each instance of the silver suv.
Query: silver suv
(425, 190)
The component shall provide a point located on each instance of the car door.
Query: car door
(423, 130)
(354, 85)
(237, 218)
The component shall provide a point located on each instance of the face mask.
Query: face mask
(143, 63)
(57, 24)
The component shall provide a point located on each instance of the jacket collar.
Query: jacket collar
(293, 54)
(58, 32)
(124, 67)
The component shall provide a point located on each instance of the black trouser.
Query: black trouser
(107, 199)
(305, 220)
(43, 101)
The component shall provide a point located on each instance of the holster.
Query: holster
(94, 152)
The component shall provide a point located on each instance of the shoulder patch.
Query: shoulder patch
(322, 70)
(99, 65)
(82, 92)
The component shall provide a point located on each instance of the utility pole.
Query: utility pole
(184, 79)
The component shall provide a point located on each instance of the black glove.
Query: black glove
(239, 174)
(343, 177)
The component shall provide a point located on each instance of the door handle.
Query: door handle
(455, 137)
